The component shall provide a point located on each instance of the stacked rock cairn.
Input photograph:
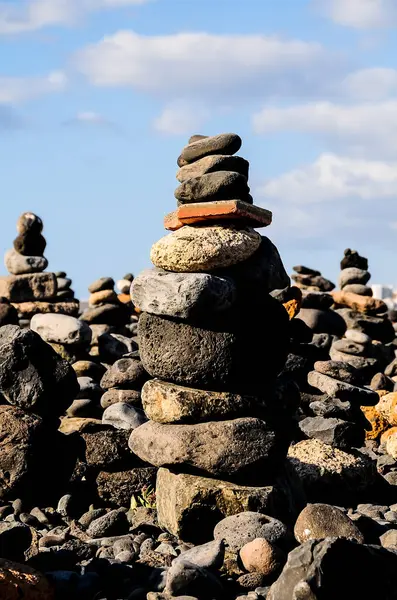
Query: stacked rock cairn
(28, 288)
(64, 284)
(215, 427)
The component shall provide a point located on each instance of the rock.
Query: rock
(106, 448)
(334, 408)
(83, 408)
(320, 521)
(88, 389)
(318, 300)
(117, 487)
(27, 310)
(15, 539)
(323, 321)
(206, 248)
(19, 581)
(29, 222)
(302, 270)
(127, 373)
(349, 347)
(30, 243)
(61, 329)
(353, 275)
(115, 396)
(381, 382)
(339, 370)
(329, 474)
(389, 539)
(222, 356)
(17, 264)
(336, 568)
(238, 530)
(104, 283)
(358, 288)
(221, 185)
(377, 328)
(181, 295)
(76, 424)
(336, 432)
(315, 283)
(87, 368)
(23, 451)
(109, 314)
(103, 297)
(225, 143)
(260, 556)
(362, 304)
(183, 500)
(186, 578)
(342, 390)
(212, 164)
(25, 288)
(353, 259)
(387, 407)
(238, 449)
(63, 284)
(32, 375)
(123, 416)
(391, 445)
(8, 314)
(206, 556)
(113, 523)
(170, 403)
(112, 346)
(378, 424)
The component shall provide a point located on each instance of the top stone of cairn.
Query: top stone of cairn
(225, 143)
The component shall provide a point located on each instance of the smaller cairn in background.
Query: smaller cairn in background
(65, 291)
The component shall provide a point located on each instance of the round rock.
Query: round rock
(104, 283)
(225, 143)
(17, 264)
(260, 556)
(240, 529)
(221, 185)
(61, 329)
(319, 521)
(29, 222)
(352, 275)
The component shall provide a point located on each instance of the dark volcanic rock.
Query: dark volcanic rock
(353, 259)
(8, 314)
(323, 321)
(117, 487)
(336, 432)
(30, 243)
(32, 375)
(222, 185)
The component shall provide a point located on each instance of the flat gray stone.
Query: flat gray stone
(238, 530)
(342, 390)
(123, 416)
(61, 329)
(181, 295)
(225, 143)
(17, 264)
(221, 185)
(352, 275)
(358, 288)
(104, 283)
(338, 370)
(350, 347)
(212, 164)
(207, 556)
(336, 432)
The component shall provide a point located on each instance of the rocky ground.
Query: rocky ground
(205, 431)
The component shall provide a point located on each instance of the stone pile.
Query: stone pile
(65, 291)
(214, 427)
(28, 287)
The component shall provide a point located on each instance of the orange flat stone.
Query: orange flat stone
(202, 212)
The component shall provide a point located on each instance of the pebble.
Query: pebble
(123, 416)
(237, 530)
(111, 524)
(260, 556)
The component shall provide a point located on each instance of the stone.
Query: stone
(123, 285)
(17, 264)
(377, 423)
(106, 448)
(302, 270)
(123, 416)
(336, 432)
(320, 521)
(20, 581)
(353, 259)
(221, 185)
(357, 336)
(225, 143)
(113, 346)
(103, 297)
(30, 287)
(32, 376)
(77, 424)
(182, 295)
(336, 568)
(366, 366)
(63, 284)
(196, 249)
(237, 450)
(260, 556)
(333, 408)
(358, 288)
(363, 304)
(27, 310)
(389, 539)
(225, 210)
(61, 329)
(338, 370)
(109, 314)
(29, 222)
(315, 283)
(112, 523)
(238, 530)
(127, 373)
(114, 396)
(30, 243)
(318, 300)
(117, 487)
(83, 408)
(376, 327)
(206, 556)
(342, 390)
(350, 347)
(104, 283)
(212, 164)
(87, 368)
(387, 407)
(184, 579)
(8, 314)
(185, 500)
(223, 357)
(381, 382)
(391, 445)
(15, 540)
(323, 321)
(170, 403)
(352, 275)
(88, 389)
(329, 474)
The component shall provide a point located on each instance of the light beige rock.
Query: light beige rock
(260, 556)
(102, 297)
(387, 407)
(73, 424)
(25, 288)
(170, 403)
(61, 329)
(197, 249)
(28, 309)
(391, 445)
(17, 264)
(320, 521)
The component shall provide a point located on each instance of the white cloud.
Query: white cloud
(375, 83)
(36, 14)
(14, 90)
(331, 178)
(360, 14)
(180, 118)
(208, 66)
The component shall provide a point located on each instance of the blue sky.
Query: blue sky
(97, 98)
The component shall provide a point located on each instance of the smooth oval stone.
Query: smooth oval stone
(102, 297)
(323, 321)
(83, 407)
(357, 336)
(211, 164)
(109, 314)
(123, 285)
(319, 300)
(240, 449)
(221, 185)
(88, 389)
(123, 416)
(195, 249)
(63, 283)
(127, 373)
(87, 368)
(114, 396)
(8, 315)
(104, 283)
(244, 527)
(181, 295)
(357, 288)
(353, 275)
(319, 521)
(17, 264)
(225, 143)
(349, 347)
(29, 222)
(170, 403)
(61, 329)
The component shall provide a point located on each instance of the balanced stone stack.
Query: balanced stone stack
(65, 291)
(309, 279)
(354, 274)
(29, 288)
(215, 340)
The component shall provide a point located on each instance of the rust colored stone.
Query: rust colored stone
(204, 212)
